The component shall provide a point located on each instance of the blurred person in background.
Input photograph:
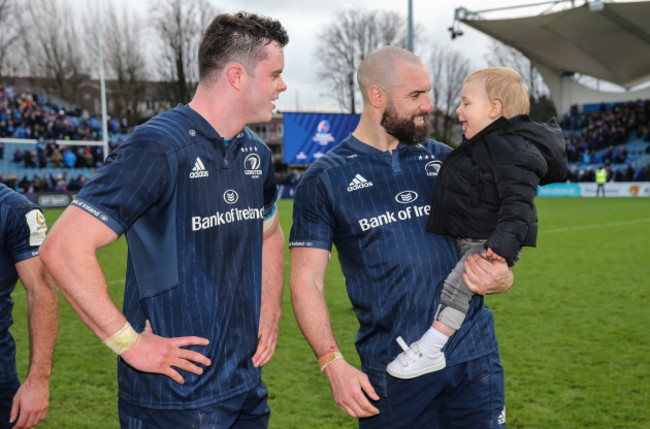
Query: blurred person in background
(22, 230)
(601, 179)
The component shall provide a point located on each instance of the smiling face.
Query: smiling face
(264, 85)
(475, 111)
(408, 105)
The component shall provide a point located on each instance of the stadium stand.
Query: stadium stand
(42, 144)
(615, 135)
(54, 156)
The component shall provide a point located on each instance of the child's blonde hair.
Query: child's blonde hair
(505, 85)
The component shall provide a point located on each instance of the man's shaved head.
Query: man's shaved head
(379, 68)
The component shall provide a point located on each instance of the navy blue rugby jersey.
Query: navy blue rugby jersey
(192, 211)
(22, 230)
(373, 206)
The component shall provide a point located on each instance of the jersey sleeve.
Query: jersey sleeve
(26, 231)
(135, 177)
(313, 219)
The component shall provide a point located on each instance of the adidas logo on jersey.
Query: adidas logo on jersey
(198, 170)
(359, 182)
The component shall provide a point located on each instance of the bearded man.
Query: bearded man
(369, 196)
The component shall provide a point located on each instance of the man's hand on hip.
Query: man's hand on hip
(152, 353)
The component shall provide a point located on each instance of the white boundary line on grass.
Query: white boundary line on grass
(600, 225)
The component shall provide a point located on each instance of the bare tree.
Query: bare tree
(179, 25)
(353, 34)
(8, 35)
(541, 105)
(448, 71)
(507, 56)
(124, 59)
(50, 40)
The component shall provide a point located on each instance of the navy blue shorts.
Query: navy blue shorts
(467, 395)
(246, 411)
(8, 390)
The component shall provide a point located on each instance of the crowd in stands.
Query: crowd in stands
(597, 137)
(287, 176)
(625, 174)
(594, 137)
(61, 182)
(49, 154)
(607, 127)
(25, 115)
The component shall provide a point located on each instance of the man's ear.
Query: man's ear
(376, 96)
(236, 75)
(496, 109)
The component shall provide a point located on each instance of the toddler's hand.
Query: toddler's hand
(493, 256)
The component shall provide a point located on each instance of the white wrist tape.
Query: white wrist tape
(329, 358)
(122, 340)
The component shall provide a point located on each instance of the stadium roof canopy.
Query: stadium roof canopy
(609, 41)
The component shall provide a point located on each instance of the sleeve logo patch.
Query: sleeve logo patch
(37, 227)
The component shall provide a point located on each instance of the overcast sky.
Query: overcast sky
(304, 18)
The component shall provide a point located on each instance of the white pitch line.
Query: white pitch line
(597, 226)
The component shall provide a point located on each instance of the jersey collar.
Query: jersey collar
(200, 124)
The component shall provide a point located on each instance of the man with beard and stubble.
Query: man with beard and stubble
(369, 196)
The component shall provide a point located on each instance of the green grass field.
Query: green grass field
(573, 332)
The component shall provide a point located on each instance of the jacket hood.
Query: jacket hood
(548, 138)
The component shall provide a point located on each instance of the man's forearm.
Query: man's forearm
(43, 319)
(42, 313)
(308, 267)
(312, 315)
(273, 273)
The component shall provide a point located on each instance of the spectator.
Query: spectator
(61, 184)
(87, 156)
(69, 158)
(41, 157)
(56, 159)
(77, 183)
(609, 155)
(638, 174)
(19, 156)
(572, 176)
(124, 126)
(80, 161)
(4, 129)
(628, 174)
(25, 185)
(48, 183)
(30, 159)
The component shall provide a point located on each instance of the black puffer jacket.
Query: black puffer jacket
(485, 188)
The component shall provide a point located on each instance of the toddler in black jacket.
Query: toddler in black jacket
(484, 197)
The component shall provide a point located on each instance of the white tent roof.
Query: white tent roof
(612, 44)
